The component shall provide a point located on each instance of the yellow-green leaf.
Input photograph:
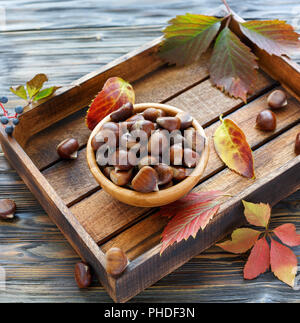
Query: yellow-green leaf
(257, 214)
(241, 240)
(33, 86)
(45, 93)
(232, 147)
(19, 91)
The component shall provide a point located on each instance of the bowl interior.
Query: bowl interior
(153, 199)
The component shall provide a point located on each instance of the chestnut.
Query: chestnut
(122, 114)
(179, 173)
(7, 209)
(96, 144)
(146, 180)
(122, 159)
(83, 276)
(121, 178)
(176, 154)
(107, 170)
(135, 117)
(297, 144)
(190, 157)
(68, 149)
(152, 114)
(186, 120)
(164, 172)
(168, 185)
(277, 99)
(266, 120)
(194, 140)
(116, 261)
(158, 142)
(143, 125)
(148, 161)
(169, 123)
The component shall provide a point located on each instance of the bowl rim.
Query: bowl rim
(152, 199)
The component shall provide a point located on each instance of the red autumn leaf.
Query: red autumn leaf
(283, 263)
(189, 201)
(188, 215)
(288, 235)
(115, 93)
(259, 259)
(233, 66)
(241, 240)
(257, 214)
(188, 37)
(274, 36)
(232, 147)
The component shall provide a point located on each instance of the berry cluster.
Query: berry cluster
(6, 118)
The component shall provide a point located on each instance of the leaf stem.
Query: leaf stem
(227, 6)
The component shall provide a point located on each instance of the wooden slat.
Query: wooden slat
(268, 159)
(212, 110)
(245, 117)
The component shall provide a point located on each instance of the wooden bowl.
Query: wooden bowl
(152, 199)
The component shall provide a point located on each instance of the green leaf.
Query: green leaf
(274, 36)
(232, 65)
(19, 91)
(34, 85)
(188, 37)
(45, 93)
(257, 214)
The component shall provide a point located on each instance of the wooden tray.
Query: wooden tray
(93, 222)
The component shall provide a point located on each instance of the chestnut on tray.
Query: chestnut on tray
(148, 154)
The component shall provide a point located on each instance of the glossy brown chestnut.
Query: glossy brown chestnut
(143, 125)
(152, 114)
(122, 114)
(266, 120)
(107, 170)
(146, 180)
(116, 261)
(277, 99)
(176, 154)
(68, 148)
(83, 276)
(157, 143)
(190, 157)
(164, 172)
(148, 161)
(121, 178)
(7, 209)
(135, 118)
(297, 144)
(179, 173)
(169, 123)
(186, 120)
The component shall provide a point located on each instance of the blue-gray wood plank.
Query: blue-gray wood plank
(66, 40)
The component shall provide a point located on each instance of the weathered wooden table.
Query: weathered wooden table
(65, 40)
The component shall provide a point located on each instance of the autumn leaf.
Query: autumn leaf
(287, 234)
(45, 93)
(274, 36)
(283, 263)
(188, 37)
(259, 259)
(232, 65)
(257, 214)
(115, 93)
(19, 91)
(232, 147)
(241, 240)
(189, 214)
(33, 86)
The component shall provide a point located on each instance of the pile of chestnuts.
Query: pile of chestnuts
(147, 151)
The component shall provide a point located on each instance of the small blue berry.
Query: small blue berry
(4, 120)
(4, 99)
(15, 121)
(9, 129)
(19, 109)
